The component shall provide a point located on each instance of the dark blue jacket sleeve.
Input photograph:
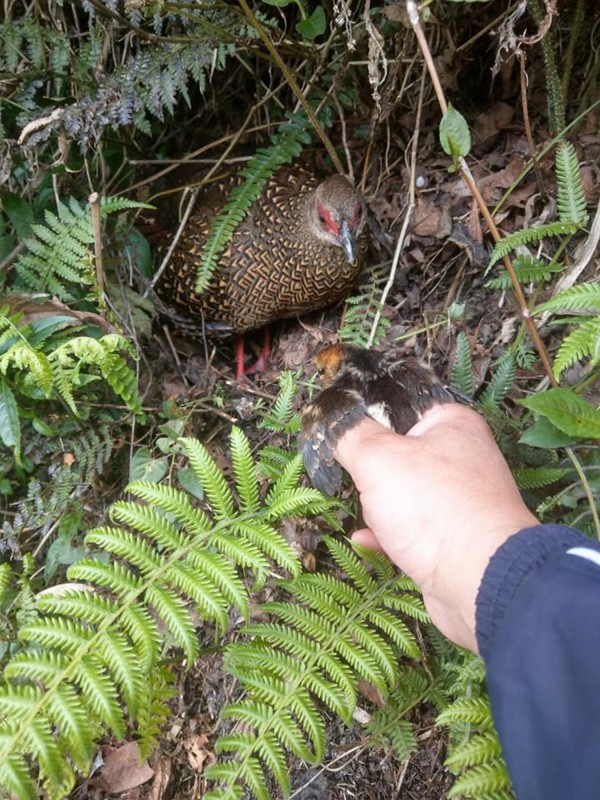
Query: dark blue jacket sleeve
(538, 631)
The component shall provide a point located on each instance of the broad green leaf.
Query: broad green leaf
(19, 212)
(455, 137)
(544, 434)
(567, 411)
(45, 326)
(187, 479)
(10, 429)
(313, 26)
(145, 468)
(137, 250)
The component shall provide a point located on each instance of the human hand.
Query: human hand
(439, 502)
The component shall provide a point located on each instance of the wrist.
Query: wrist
(451, 590)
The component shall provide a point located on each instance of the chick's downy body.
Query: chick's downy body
(359, 383)
(296, 250)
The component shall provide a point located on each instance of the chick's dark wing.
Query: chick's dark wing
(421, 383)
(324, 422)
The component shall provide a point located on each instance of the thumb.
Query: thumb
(367, 538)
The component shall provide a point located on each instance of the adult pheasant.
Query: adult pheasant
(297, 250)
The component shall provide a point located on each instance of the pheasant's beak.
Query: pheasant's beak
(347, 242)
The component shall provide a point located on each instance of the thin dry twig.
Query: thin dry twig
(186, 215)
(94, 201)
(407, 217)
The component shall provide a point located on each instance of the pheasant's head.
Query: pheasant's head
(337, 214)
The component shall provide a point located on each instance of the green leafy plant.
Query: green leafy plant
(282, 416)
(60, 258)
(570, 204)
(36, 366)
(364, 309)
(455, 136)
(584, 340)
(313, 653)
(89, 658)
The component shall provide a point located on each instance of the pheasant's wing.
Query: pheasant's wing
(324, 422)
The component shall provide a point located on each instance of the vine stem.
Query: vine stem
(465, 172)
(586, 488)
(293, 85)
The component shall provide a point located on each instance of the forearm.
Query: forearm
(538, 632)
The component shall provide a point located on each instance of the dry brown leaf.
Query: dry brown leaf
(431, 219)
(162, 776)
(487, 125)
(38, 306)
(197, 752)
(122, 769)
(474, 223)
(371, 693)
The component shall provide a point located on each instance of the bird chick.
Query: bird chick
(297, 250)
(357, 384)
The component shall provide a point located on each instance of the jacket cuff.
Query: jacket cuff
(509, 568)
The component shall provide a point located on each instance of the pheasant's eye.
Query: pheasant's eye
(323, 220)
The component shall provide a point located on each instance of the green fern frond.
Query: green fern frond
(487, 780)
(154, 711)
(96, 652)
(501, 381)
(244, 471)
(528, 270)
(364, 308)
(35, 365)
(475, 752)
(537, 477)
(387, 727)
(570, 199)
(5, 577)
(313, 650)
(577, 298)
(211, 479)
(479, 749)
(69, 359)
(475, 711)
(287, 145)
(281, 416)
(462, 368)
(273, 460)
(525, 355)
(60, 259)
(529, 236)
(583, 342)
(61, 254)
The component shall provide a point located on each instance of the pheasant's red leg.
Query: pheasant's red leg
(261, 364)
(239, 353)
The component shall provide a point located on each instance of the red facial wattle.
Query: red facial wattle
(328, 223)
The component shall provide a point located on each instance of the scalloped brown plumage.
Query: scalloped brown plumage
(297, 250)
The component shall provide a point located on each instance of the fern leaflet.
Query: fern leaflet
(570, 199)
